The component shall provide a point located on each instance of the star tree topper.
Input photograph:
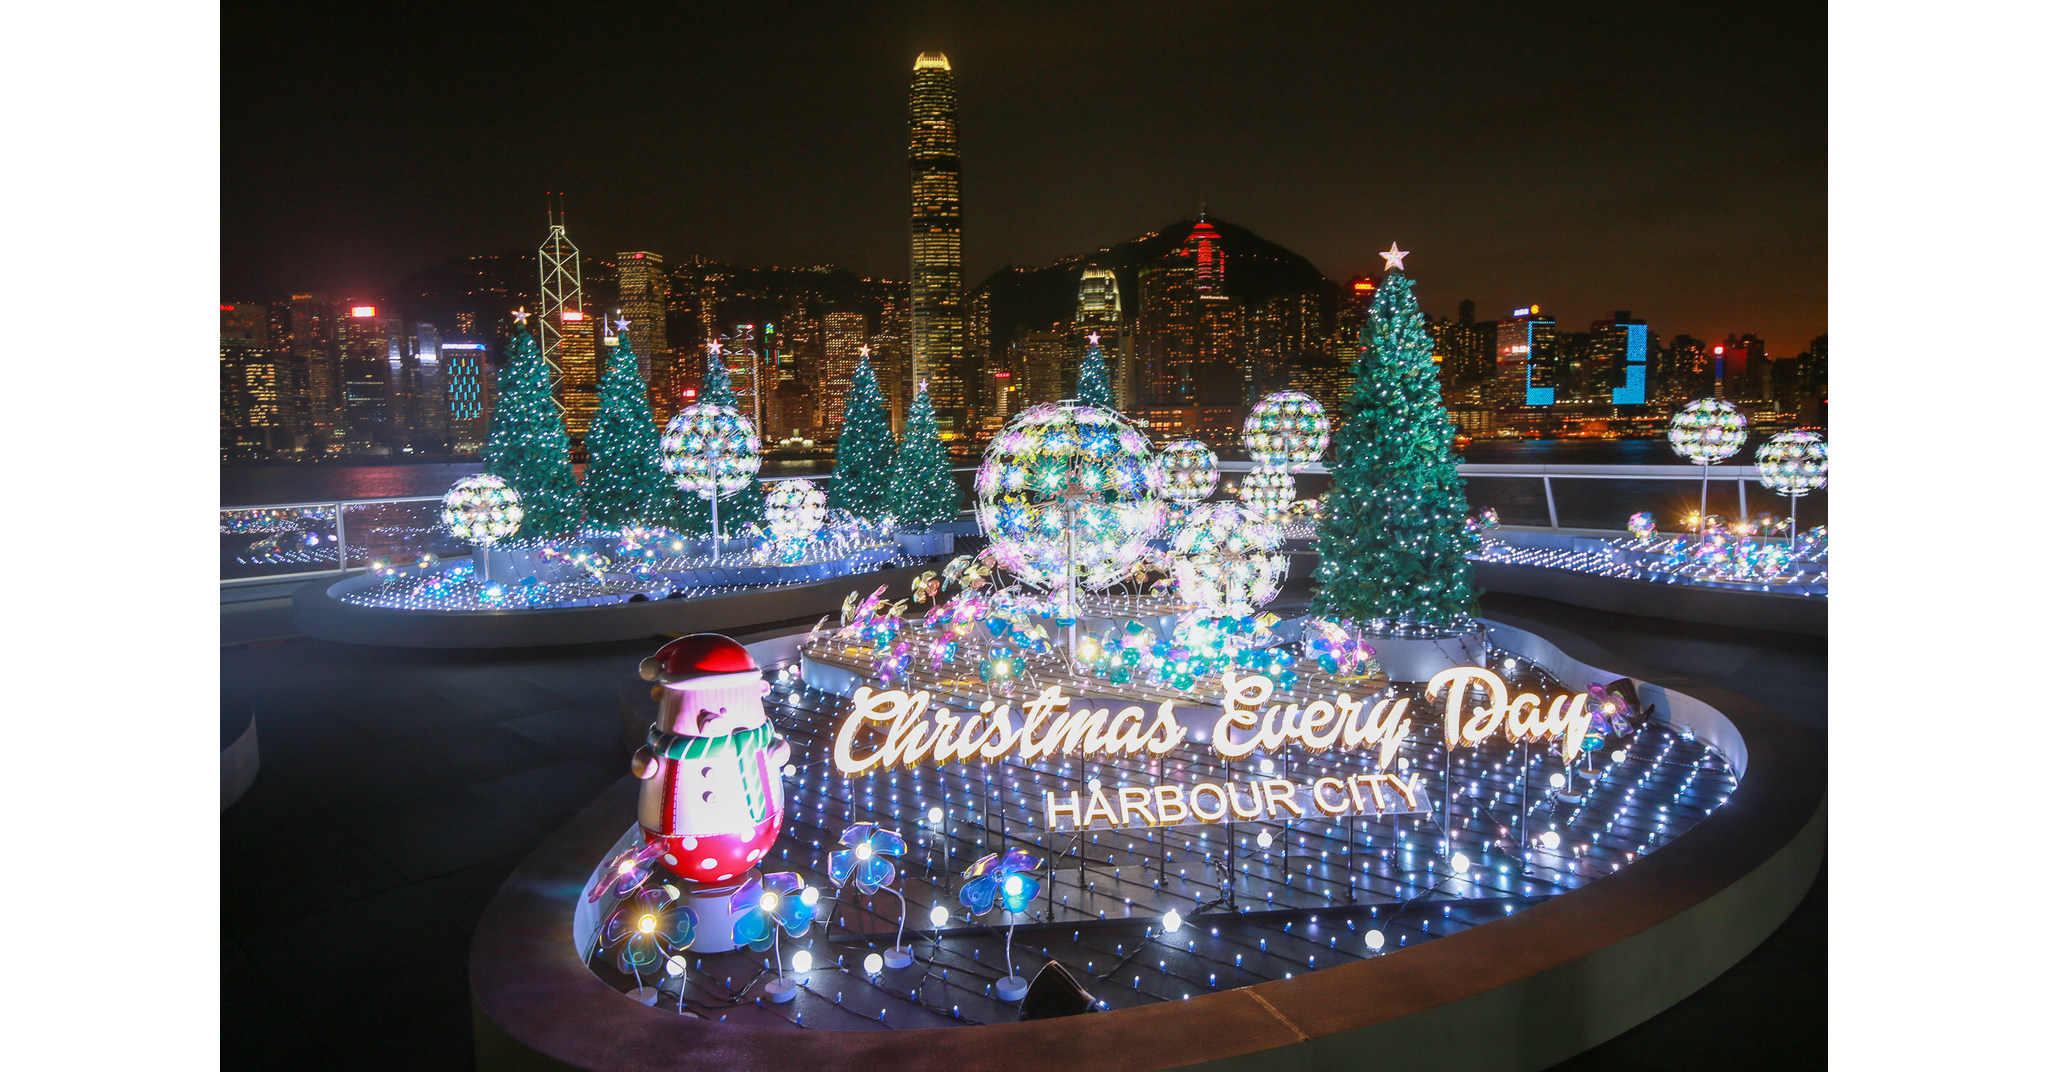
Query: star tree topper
(1394, 255)
(519, 315)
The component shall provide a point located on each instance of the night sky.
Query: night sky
(1666, 159)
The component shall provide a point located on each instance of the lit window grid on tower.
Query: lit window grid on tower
(937, 328)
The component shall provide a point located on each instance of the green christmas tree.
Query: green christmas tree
(860, 470)
(692, 512)
(624, 484)
(1393, 538)
(528, 447)
(921, 489)
(1094, 387)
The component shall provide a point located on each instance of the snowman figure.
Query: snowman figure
(711, 770)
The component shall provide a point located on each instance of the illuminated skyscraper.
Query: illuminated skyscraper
(312, 401)
(1206, 246)
(365, 340)
(936, 322)
(1622, 346)
(1099, 304)
(643, 301)
(1525, 358)
(468, 376)
(846, 335)
(249, 416)
(576, 357)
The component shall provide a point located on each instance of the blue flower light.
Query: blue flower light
(1002, 878)
(773, 899)
(865, 859)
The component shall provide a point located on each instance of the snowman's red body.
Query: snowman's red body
(711, 788)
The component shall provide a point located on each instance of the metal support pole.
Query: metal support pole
(1742, 499)
(1699, 534)
(340, 539)
(1550, 501)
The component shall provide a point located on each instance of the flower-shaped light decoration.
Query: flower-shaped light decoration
(795, 510)
(1227, 560)
(1706, 431)
(1642, 526)
(1793, 463)
(1188, 471)
(482, 510)
(1338, 646)
(1286, 431)
(763, 904)
(865, 858)
(646, 929)
(627, 872)
(1815, 542)
(711, 450)
(1064, 460)
(1005, 879)
(1267, 492)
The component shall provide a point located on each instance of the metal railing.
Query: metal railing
(306, 540)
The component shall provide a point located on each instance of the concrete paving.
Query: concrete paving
(399, 788)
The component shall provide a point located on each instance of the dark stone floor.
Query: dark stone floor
(398, 789)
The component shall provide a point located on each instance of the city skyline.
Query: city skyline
(1729, 243)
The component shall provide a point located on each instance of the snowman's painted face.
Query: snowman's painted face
(707, 722)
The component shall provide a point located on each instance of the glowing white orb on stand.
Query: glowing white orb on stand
(1286, 430)
(711, 450)
(1267, 492)
(1065, 460)
(1227, 561)
(795, 510)
(1188, 470)
(1706, 431)
(1793, 463)
(482, 510)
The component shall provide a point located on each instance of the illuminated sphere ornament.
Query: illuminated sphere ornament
(1227, 560)
(1706, 431)
(1793, 463)
(1286, 430)
(1267, 491)
(482, 510)
(1061, 461)
(795, 510)
(1188, 471)
(711, 450)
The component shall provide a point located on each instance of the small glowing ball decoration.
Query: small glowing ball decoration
(1188, 469)
(1793, 463)
(795, 510)
(1267, 491)
(1063, 458)
(1226, 560)
(482, 510)
(1286, 430)
(710, 449)
(1706, 431)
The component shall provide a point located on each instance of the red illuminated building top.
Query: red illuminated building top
(1207, 246)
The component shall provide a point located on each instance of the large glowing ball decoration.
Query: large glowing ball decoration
(1061, 460)
(1267, 491)
(1286, 430)
(1793, 463)
(1709, 430)
(711, 450)
(1188, 471)
(482, 510)
(1227, 561)
(795, 510)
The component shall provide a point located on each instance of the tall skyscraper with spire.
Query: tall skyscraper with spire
(936, 318)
